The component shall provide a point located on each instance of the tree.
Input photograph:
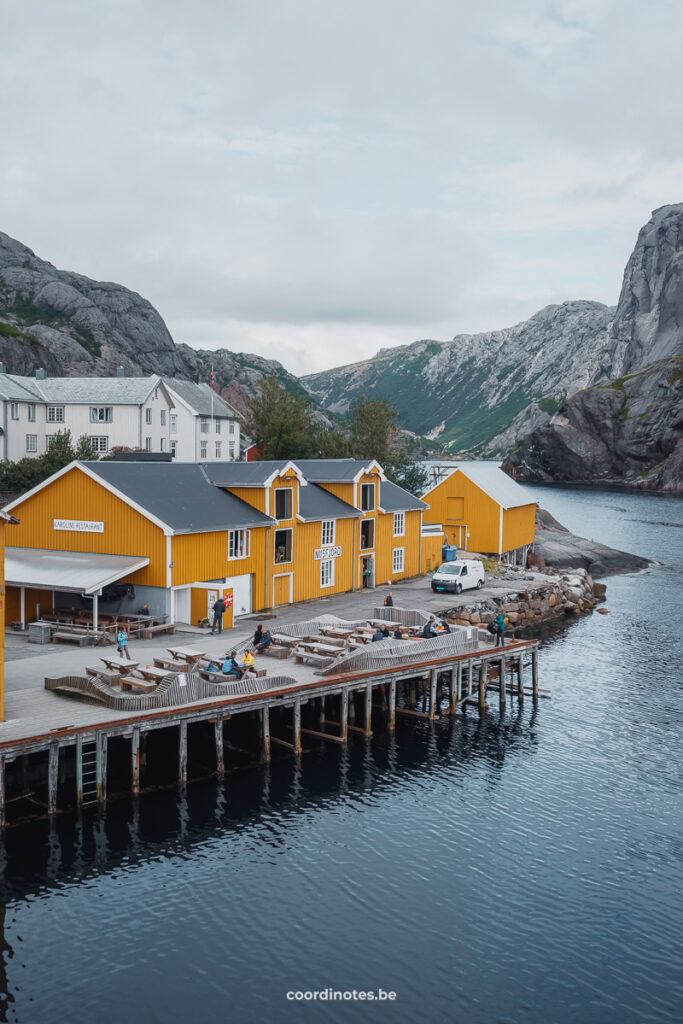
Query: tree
(16, 477)
(280, 424)
(373, 429)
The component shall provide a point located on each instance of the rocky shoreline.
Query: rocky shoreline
(550, 594)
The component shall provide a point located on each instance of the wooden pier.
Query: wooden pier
(65, 732)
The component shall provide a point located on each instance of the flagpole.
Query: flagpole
(212, 438)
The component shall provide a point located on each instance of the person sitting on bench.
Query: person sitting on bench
(377, 635)
(230, 666)
(248, 663)
(398, 635)
(266, 641)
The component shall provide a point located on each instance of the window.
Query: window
(202, 449)
(100, 444)
(218, 449)
(174, 423)
(455, 508)
(327, 533)
(283, 503)
(49, 441)
(163, 444)
(231, 427)
(162, 417)
(156, 392)
(174, 448)
(31, 442)
(148, 415)
(239, 543)
(367, 534)
(397, 563)
(231, 449)
(14, 410)
(31, 412)
(102, 414)
(204, 425)
(399, 524)
(55, 414)
(327, 573)
(148, 444)
(367, 497)
(464, 571)
(283, 546)
(218, 426)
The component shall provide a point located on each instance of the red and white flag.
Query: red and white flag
(211, 378)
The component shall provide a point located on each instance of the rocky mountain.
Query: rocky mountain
(69, 324)
(465, 391)
(627, 426)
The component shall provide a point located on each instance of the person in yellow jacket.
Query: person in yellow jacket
(248, 663)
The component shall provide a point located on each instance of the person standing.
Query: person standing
(389, 601)
(500, 630)
(122, 643)
(218, 613)
(258, 635)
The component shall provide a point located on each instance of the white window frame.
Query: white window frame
(231, 449)
(148, 444)
(239, 544)
(203, 449)
(55, 414)
(231, 426)
(327, 572)
(219, 448)
(31, 407)
(174, 448)
(399, 524)
(363, 491)
(284, 519)
(148, 416)
(204, 425)
(101, 414)
(284, 529)
(218, 426)
(328, 530)
(162, 417)
(162, 444)
(14, 410)
(174, 422)
(31, 443)
(100, 442)
(398, 564)
(372, 546)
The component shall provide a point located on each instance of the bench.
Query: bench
(130, 683)
(70, 638)
(318, 659)
(165, 627)
(274, 651)
(171, 665)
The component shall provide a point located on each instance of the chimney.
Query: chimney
(120, 372)
(40, 374)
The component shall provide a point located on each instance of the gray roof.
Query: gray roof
(198, 396)
(244, 474)
(73, 571)
(18, 389)
(180, 494)
(393, 498)
(317, 503)
(492, 480)
(332, 471)
(84, 390)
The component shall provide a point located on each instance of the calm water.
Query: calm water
(520, 870)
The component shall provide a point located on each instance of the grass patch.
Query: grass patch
(7, 331)
(551, 405)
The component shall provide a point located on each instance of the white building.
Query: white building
(127, 412)
(204, 428)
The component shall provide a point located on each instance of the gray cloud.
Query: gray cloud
(311, 181)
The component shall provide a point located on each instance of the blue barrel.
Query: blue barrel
(449, 553)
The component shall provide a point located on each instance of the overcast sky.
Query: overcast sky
(314, 180)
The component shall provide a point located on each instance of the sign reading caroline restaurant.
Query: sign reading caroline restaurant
(78, 525)
(321, 554)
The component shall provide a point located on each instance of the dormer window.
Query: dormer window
(283, 503)
(367, 497)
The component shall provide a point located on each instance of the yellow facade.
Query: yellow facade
(473, 521)
(3, 619)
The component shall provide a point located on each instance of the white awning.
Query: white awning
(75, 571)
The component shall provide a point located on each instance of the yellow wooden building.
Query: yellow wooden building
(480, 508)
(4, 519)
(121, 536)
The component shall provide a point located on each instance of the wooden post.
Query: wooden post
(368, 710)
(218, 738)
(322, 714)
(265, 734)
(79, 771)
(534, 673)
(455, 687)
(297, 727)
(52, 778)
(483, 672)
(432, 694)
(101, 742)
(469, 679)
(2, 792)
(392, 705)
(182, 753)
(520, 677)
(502, 684)
(412, 697)
(135, 759)
(344, 715)
(352, 707)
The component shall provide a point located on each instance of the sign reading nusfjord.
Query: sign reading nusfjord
(322, 553)
(78, 525)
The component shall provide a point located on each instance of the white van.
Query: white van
(459, 576)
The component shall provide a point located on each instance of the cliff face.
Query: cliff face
(71, 325)
(627, 427)
(464, 392)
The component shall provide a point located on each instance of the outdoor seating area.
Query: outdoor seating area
(69, 625)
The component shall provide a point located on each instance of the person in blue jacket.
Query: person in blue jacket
(500, 630)
(122, 643)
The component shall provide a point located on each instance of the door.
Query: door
(211, 598)
(181, 611)
(367, 566)
(280, 590)
(467, 580)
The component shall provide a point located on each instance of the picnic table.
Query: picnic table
(188, 654)
(340, 631)
(320, 648)
(284, 640)
(383, 622)
(170, 665)
(154, 674)
(122, 666)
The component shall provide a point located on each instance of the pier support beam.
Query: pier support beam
(456, 682)
(2, 792)
(392, 705)
(502, 684)
(368, 710)
(520, 678)
(534, 673)
(101, 744)
(265, 734)
(182, 753)
(52, 778)
(432, 694)
(79, 771)
(135, 760)
(483, 673)
(344, 715)
(218, 740)
(297, 727)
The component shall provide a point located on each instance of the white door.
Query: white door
(241, 593)
(211, 598)
(182, 605)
